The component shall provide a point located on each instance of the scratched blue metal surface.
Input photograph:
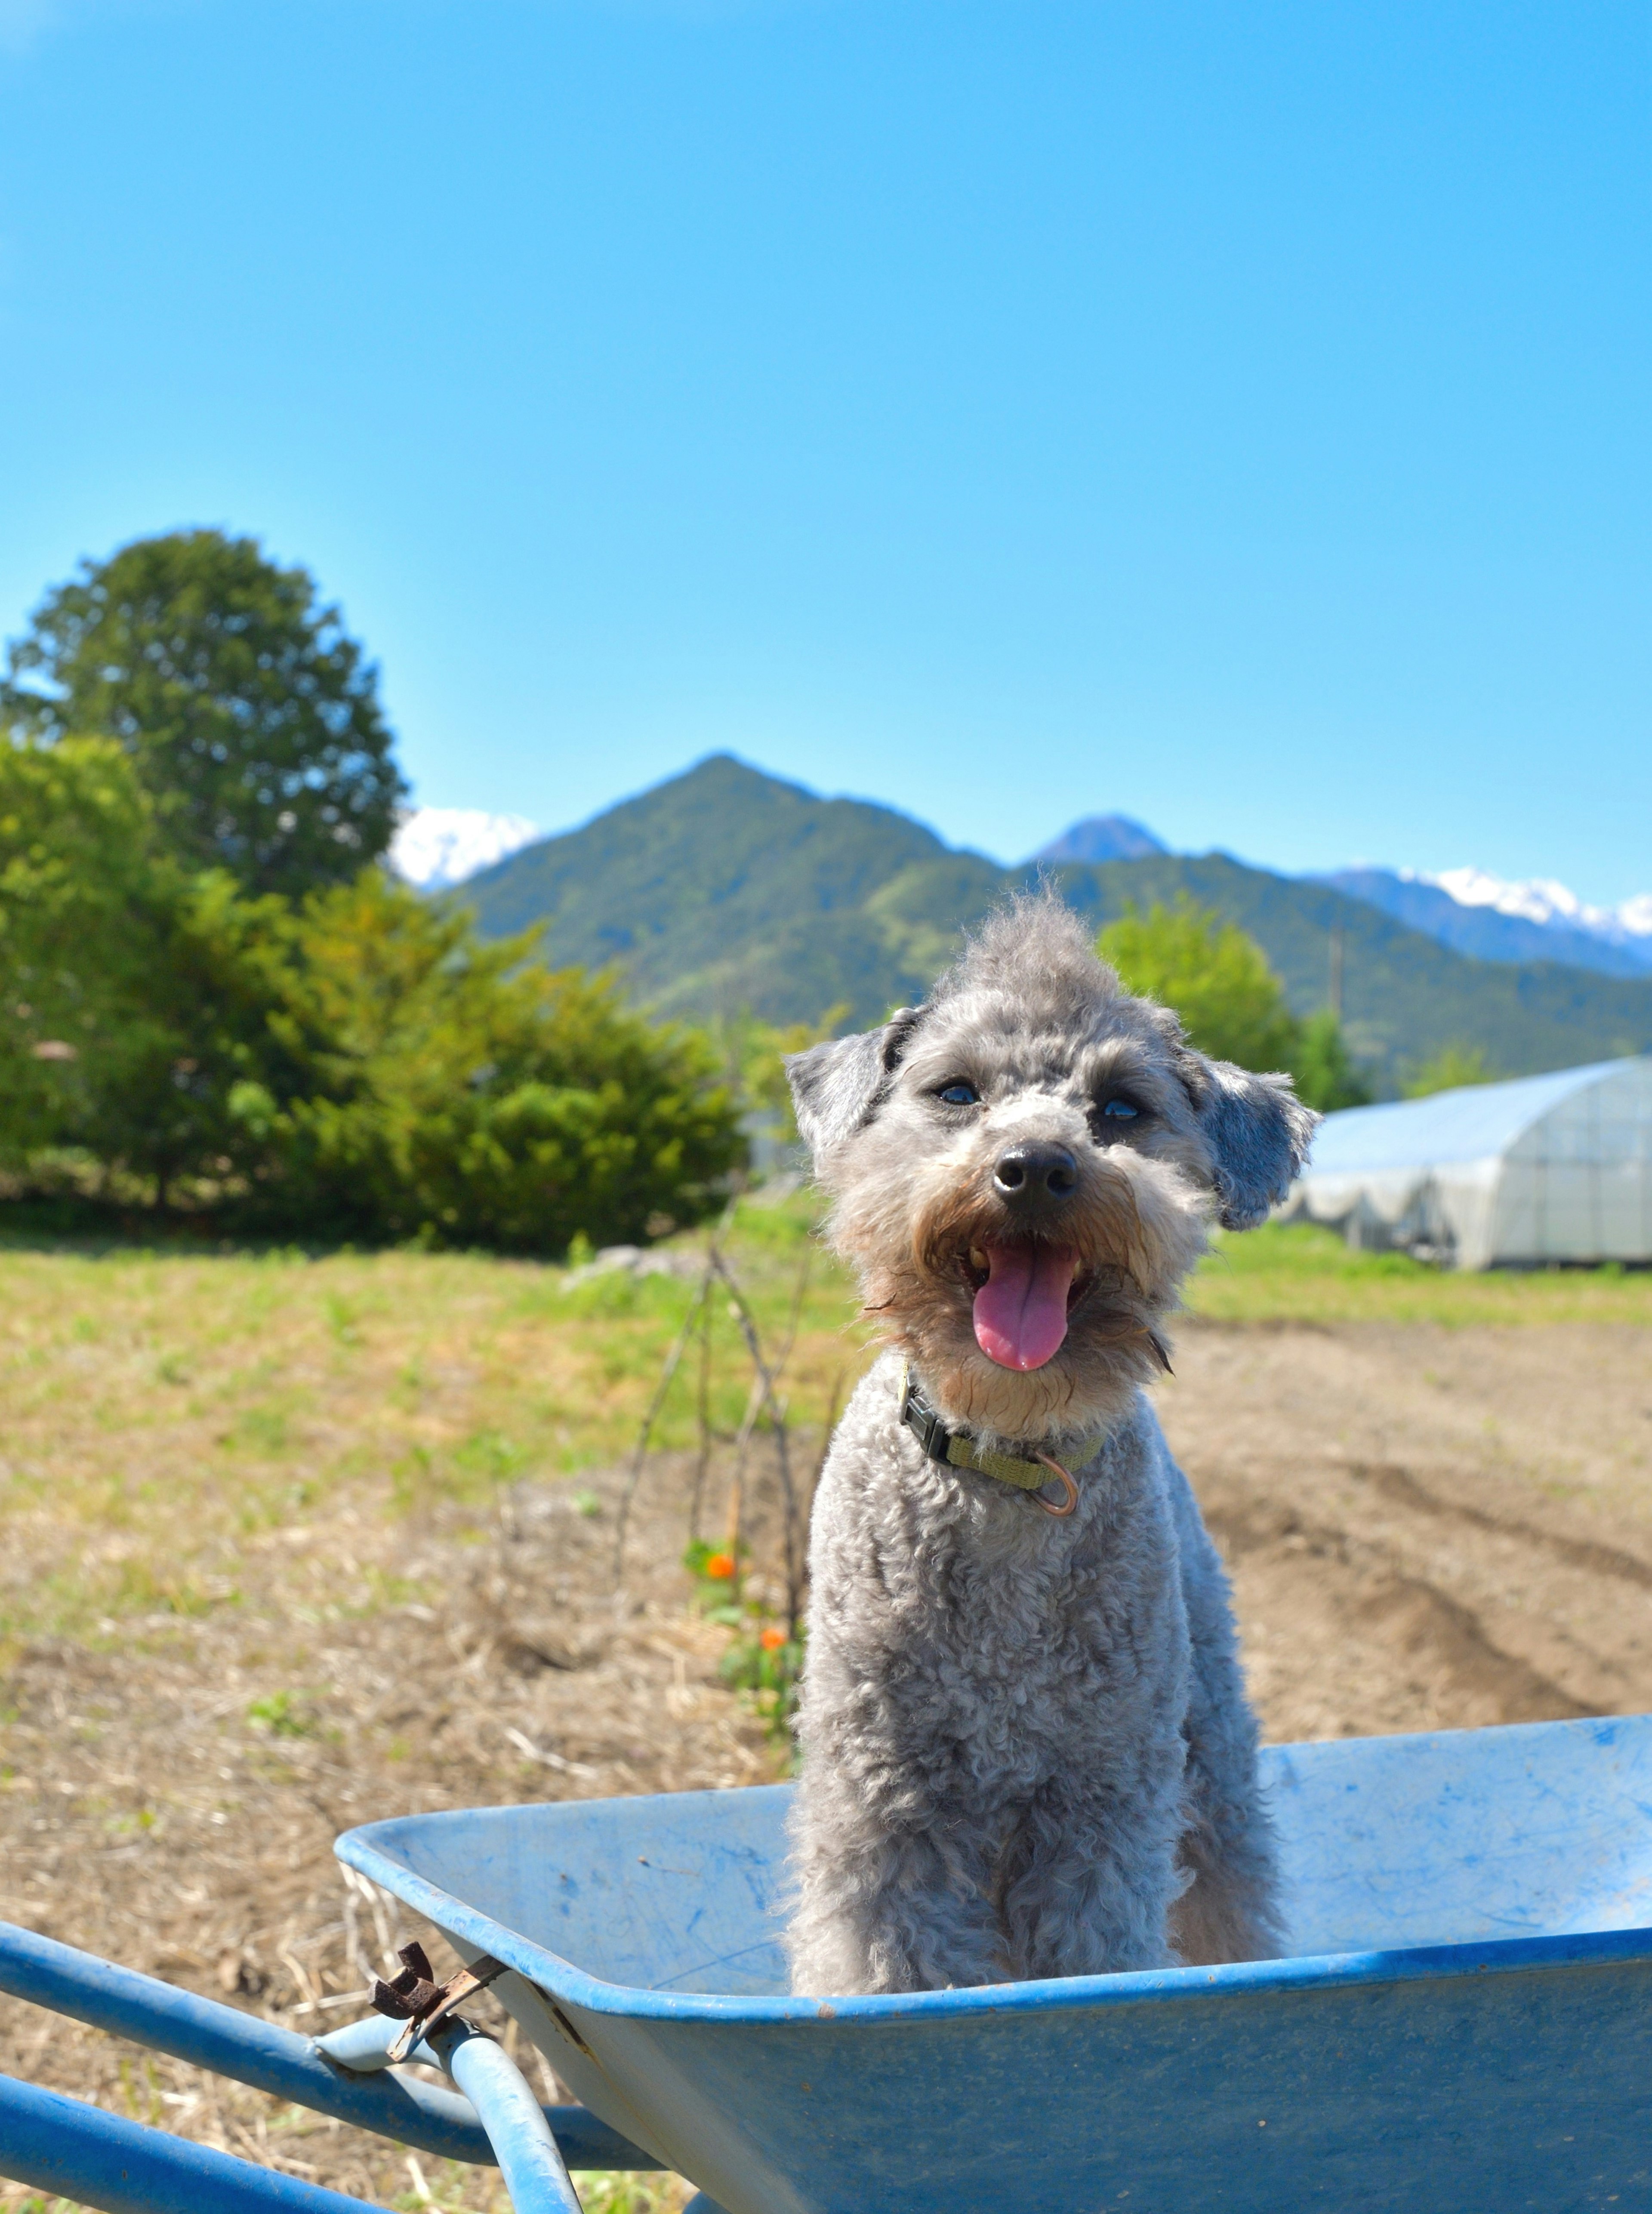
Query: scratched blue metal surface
(1465, 2021)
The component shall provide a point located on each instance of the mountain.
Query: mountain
(437, 846)
(724, 888)
(1495, 920)
(1102, 838)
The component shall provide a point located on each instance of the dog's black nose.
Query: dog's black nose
(1036, 1172)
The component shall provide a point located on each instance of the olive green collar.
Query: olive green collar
(955, 1448)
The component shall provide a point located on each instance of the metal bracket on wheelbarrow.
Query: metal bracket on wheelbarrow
(418, 2002)
(62, 2145)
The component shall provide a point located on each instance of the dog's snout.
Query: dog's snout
(1036, 1173)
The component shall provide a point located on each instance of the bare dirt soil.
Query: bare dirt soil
(1428, 1527)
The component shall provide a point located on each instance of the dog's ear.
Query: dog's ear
(836, 1087)
(1258, 1132)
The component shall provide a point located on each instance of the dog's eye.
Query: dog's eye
(959, 1094)
(1108, 1118)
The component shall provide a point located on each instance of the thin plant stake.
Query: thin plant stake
(765, 1380)
(633, 1475)
(703, 1412)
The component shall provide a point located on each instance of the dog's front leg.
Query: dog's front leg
(887, 1908)
(1089, 1876)
(1230, 1909)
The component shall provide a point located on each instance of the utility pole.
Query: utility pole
(1337, 970)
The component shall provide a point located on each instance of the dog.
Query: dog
(1026, 1749)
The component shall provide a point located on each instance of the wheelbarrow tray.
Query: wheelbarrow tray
(1465, 2021)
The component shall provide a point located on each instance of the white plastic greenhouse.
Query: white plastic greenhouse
(1546, 1168)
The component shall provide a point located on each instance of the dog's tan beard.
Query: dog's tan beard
(1135, 1235)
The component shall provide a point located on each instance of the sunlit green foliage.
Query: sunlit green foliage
(1326, 1076)
(132, 992)
(752, 1053)
(1231, 1003)
(1444, 1070)
(1215, 977)
(355, 1065)
(463, 1094)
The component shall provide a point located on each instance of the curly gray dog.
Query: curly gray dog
(1026, 1747)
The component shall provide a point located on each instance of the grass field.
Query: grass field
(1297, 1272)
(165, 1410)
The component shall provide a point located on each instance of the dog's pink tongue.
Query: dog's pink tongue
(1021, 1309)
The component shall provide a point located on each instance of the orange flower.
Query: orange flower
(720, 1566)
(771, 1637)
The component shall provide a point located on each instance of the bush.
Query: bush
(1326, 1077)
(1448, 1070)
(461, 1092)
(359, 1065)
(1216, 978)
(752, 1055)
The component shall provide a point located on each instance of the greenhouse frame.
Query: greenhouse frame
(1539, 1171)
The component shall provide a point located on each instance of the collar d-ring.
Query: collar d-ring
(1072, 1498)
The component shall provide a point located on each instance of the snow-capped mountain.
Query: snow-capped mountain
(1495, 920)
(436, 846)
(1490, 917)
(1541, 900)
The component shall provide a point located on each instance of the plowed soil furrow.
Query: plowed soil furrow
(1428, 1528)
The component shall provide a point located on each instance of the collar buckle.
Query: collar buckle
(925, 1424)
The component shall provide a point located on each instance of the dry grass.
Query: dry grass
(170, 1418)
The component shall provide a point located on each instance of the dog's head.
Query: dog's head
(1023, 1169)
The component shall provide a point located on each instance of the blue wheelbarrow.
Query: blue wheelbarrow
(1464, 2022)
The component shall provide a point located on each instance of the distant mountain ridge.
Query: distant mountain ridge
(1496, 920)
(726, 888)
(1468, 909)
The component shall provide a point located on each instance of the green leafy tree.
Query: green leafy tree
(752, 1054)
(1231, 1003)
(357, 1064)
(1445, 1071)
(460, 1091)
(133, 993)
(1216, 978)
(1326, 1074)
(251, 716)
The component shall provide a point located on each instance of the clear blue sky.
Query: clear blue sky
(1236, 415)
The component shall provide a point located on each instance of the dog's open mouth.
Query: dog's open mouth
(1023, 1295)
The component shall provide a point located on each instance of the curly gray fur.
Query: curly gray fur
(1026, 1747)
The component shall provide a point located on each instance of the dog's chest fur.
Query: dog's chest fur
(968, 1652)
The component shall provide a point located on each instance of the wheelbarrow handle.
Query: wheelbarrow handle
(529, 2159)
(526, 2152)
(78, 2152)
(262, 2053)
